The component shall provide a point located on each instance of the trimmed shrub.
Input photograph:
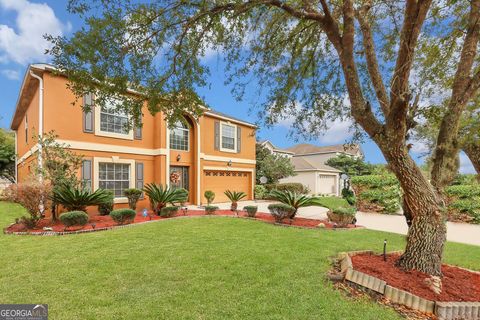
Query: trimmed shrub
(210, 196)
(122, 216)
(463, 203)
(280, 211)
(260, 191)
(342, 216)
(168, 212)
(133, 195)
(349, 195)
(378, 193)
(74, 218)
(210, 209)
(251, 211)
(294, 187)
(105, 208)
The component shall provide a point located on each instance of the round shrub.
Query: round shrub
(74, 218)
(342, 216)
(280, 211)
(167, 212)
(121, 216)
(210, 209)
(251, 211)
(105, 208)
(210, 196)
(260, 191)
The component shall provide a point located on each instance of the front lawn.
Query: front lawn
(193, 268)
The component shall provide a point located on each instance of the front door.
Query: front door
(179, 178)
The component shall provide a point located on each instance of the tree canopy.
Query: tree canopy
(350, 165)
(272, 166)
(7, 155)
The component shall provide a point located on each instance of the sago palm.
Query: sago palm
(161, 195)
(295, 200)
(78, 199)
(234, 197)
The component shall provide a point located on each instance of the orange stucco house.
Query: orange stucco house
(216, 153)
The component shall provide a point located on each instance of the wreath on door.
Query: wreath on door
(175, 177)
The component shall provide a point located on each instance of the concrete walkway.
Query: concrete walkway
(456, 232)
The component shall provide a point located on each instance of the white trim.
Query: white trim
(228, 169)
(40, 122)
(16, 160)
(99, 132)
(199, 199)
(235, 138)
(27, 154)
(90, 146)
(214, 115)
(188, 139)
(167, 156)
(317, 170)
(226, 159)
(113, 159)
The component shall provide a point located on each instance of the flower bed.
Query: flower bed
(98, 222)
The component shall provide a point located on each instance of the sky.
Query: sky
(23, 24)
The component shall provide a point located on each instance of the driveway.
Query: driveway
(456, 232)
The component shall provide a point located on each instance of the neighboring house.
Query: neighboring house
(216, 153)
(310, 168)
(273, 149)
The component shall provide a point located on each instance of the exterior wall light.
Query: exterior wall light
(229, 163)
(179, 157)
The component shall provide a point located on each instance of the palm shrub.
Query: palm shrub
(74, 218)
(121, 216)
(234, 197)
(78, 199)
(210, 196)
(251, 211)
(132, 195)
(161, 195)
(280, 211)
(105, 208)
(295, 200)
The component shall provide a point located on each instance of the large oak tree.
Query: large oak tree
(305, 56)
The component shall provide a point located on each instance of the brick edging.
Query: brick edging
(443, 310)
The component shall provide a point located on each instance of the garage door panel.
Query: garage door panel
(220, 181)
(326, 184)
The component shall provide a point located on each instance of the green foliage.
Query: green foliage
(345, 211)
(74, 218)
(272, 166)
(342, 216)
(251, 210)
(465, 179)
(168, 212)
(122, 216)
(349, 195)
(289, 186)
(332, 202)
(105, 208)
(210, 196)
(464, 202)
(377, 192)
(281, 211)
(350, 165)
(235, 196)
(133, 195)
(295, 200)
(160, 196)
(463, 191)
(7, 155)
(78, 199)
(260, 191)
(210, 209)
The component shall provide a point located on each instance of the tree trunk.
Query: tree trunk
(427, 232)
(472, 150)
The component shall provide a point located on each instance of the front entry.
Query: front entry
(179, 178)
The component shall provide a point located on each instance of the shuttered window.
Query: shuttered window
(87, 174)
(139, 179)
(88, 115)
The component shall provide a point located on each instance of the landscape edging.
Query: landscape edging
(443, 310)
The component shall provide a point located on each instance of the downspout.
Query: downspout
(40, 122)
(16, 156)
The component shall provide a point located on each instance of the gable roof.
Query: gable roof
(275, 148)
(302, 164)
(306, 148)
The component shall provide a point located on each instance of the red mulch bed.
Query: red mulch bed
(457, 284)
(106, 221)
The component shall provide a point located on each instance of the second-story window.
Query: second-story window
(228, 137)
(112, 120)
(179, 136)
(26, 129)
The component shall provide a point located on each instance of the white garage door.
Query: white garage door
(326, 184)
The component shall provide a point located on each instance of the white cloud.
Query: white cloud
(24, 42)
(338, 130)
(10, 74)
(465, 164)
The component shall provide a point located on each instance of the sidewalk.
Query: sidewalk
(456, 232)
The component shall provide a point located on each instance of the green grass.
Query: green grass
(199, 268)
(333, 202)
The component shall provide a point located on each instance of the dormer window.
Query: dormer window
(179, 136)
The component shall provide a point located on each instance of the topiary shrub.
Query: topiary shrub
(251, 211)
(168, 212)
(210, 209)
(74, 218)
(260, 191)
(342, 216)
(280, 211)
(122, 216)
(132, 195)
(210, 196)
(105, 208)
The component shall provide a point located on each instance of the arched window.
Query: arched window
(179, 136)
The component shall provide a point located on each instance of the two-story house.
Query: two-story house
(215, 152)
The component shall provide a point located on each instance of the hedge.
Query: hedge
(290, 186)
(463, 203)
(379, 193)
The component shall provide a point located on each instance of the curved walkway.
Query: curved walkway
(456, 232)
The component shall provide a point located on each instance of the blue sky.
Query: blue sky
(22, 24)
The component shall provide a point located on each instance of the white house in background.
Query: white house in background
(310, 168)
(273, 149)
